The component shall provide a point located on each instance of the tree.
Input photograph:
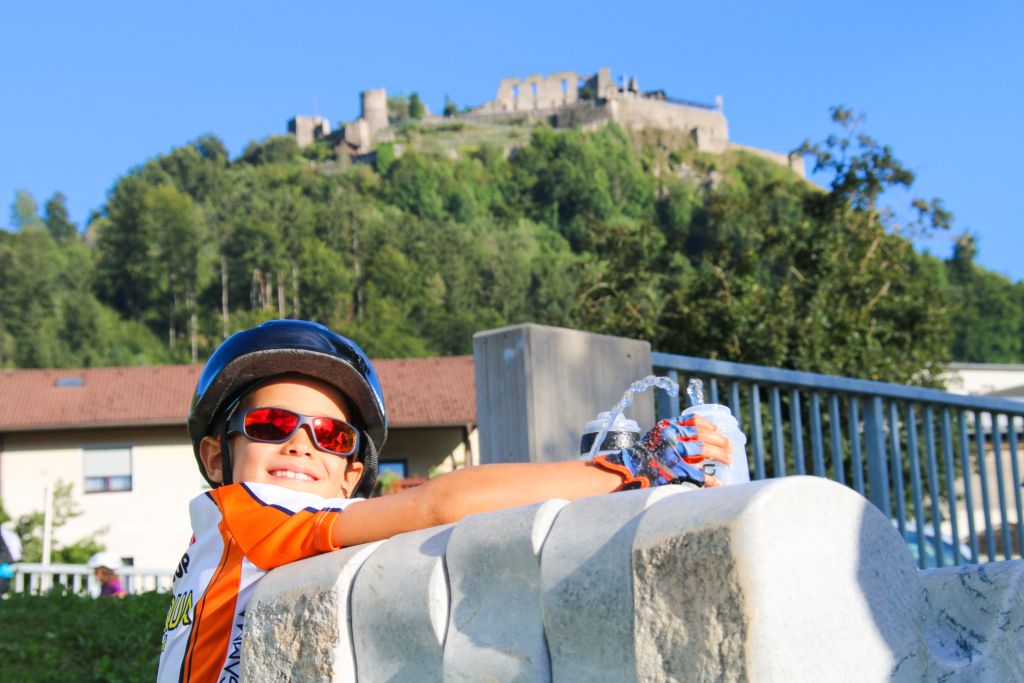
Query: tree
(416, 108)
(25, 211)
(29, 528)
(988, 315)
(450, 108)
(56, 219)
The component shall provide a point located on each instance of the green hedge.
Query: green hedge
(71, 638)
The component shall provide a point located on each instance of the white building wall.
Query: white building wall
(149, 523)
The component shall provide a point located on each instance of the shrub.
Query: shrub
(63, 637)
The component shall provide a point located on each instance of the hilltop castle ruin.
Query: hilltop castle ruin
(565, 100)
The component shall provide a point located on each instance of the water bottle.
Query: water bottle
(739, 471)
(622, 433)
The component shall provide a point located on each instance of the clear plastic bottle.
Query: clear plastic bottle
(622, 433)
(739, 471)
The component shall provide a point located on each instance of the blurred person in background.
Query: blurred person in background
(10, 553)
(104, 566)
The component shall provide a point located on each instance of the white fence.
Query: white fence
(78, 578)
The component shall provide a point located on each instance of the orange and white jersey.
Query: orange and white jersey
(240, 532)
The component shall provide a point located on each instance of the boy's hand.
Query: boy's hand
(670, 453)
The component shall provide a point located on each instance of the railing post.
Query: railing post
(878, 470)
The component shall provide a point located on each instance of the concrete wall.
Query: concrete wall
(795, 579)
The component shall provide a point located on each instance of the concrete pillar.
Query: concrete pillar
(536, 386)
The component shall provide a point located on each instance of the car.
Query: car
(931, 559)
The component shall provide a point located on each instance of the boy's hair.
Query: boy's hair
(280, 347)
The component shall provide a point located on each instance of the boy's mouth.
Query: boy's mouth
(291, 474)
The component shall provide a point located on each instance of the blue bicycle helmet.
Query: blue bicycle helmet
(290, 346)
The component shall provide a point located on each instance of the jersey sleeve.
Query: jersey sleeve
(272, 530)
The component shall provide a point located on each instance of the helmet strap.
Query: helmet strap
(367, 483)
(225, 456)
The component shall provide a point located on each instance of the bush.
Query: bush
(62, 637)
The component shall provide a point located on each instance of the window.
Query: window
(107, 469)
(398, 467)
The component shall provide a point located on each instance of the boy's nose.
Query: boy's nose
(301, 442)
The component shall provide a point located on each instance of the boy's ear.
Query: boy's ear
(213, 461)
(353, 473)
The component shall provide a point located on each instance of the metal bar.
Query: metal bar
(965, 472)
(897, 468)
(776, 376)
(878, 472)
(933, 482)
(979, 441)
(778, 453)
(714, 389)
(797, 428)
(666, 406)
(947, 453)
(858, 463)
(1015, 470)
(734, 401)
(835, 430)
(757, 431)
(1004, 522)
(914, 456)
(817, 448)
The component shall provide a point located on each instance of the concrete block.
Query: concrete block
(536, 386)
(793, 579)
(586, 581)
(400, 606)
(296, 624)
(495, 630)
(974, 622)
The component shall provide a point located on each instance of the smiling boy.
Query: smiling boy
(286, 423)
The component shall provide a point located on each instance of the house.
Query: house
(118, 436)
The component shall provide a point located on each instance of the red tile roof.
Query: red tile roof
(418, 392)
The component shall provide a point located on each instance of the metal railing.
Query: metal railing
(77, 578)
(922, 456)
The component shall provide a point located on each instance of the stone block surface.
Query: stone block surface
(586, 576)
(495, 630)
(399, 609)
(793, 579)
(297, 626)
(974, 622)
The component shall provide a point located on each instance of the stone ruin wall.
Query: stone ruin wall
(556, 98)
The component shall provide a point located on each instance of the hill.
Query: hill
(642, 234)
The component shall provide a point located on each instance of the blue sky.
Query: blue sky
(92, 88)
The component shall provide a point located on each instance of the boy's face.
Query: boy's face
(297, 463)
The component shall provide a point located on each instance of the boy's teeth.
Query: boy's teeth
(288, 474)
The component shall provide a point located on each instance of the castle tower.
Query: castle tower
(375, 109)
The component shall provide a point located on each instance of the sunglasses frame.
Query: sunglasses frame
(236, 425)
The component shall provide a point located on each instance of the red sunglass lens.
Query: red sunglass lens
(334, 435)
(270, 424)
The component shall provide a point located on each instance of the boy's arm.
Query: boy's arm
(486, 488)
(451, 497)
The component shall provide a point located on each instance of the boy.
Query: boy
(286, 423)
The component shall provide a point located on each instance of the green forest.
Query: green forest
(638, 234)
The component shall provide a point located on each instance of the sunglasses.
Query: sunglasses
(277, 425)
